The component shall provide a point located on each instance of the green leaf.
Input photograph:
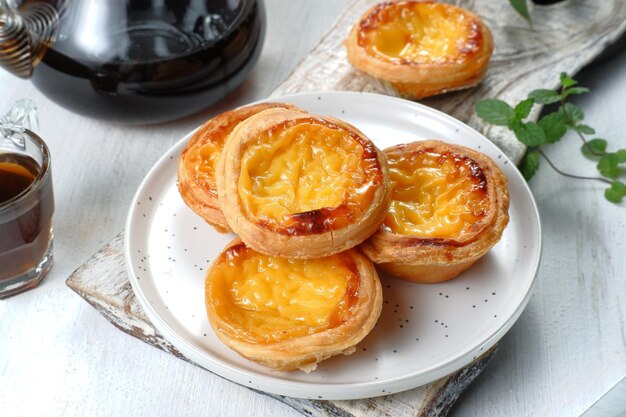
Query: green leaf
(496, 112)
(608, 165)
(530, 164)
(621, 155)
(594, 147)
(554, 126)
(523, 108)
(543, 96)
(576, 90)
(513, 123)
(521, 7)
(573, 113)
(616, 192)
(567, 81)
(530, 134)
(584, 129)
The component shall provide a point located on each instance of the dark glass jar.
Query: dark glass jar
(147, 61)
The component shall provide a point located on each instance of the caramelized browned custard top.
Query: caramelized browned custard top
(410, 32)
(308, 176)
(436, 195)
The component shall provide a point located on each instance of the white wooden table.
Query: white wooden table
(59, 357)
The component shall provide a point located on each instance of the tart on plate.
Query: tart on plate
(417, 49)
(449, 206)
(290, 314)
(196, 166)
(296, 185)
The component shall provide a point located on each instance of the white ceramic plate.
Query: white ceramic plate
(424, 332)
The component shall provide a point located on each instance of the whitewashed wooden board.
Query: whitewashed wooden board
(104, 284)
(567, 36)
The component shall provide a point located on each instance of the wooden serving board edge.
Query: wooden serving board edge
(103, 283)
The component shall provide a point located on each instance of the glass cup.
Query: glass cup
(26, 207)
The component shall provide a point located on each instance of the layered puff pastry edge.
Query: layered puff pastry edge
(417, 49)
(197, 162)
(449, 207)
(291, 314)
(296, 185)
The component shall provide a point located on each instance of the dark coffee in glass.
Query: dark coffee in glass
(26, 209)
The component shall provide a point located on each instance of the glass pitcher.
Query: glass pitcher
(132, 61)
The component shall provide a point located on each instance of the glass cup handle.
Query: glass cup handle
(21, 117)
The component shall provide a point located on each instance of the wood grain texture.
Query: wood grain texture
(103, 282)
(432, 400)
(566, 37)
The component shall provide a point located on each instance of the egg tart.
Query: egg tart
(417, 49)
(290, 314)
(296, 185)
(449, 206)
(196, 166)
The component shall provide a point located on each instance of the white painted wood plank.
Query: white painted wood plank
(569, 346)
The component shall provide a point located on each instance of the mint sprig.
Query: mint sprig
(551, 128)
(521, 8)
(616, 192)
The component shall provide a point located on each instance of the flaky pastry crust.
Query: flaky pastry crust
(354, 315)
(196, 165)
(322, 227)
(428, 259)
(416, 77)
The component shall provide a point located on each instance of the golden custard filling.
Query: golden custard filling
(417, 32)
(307, 176)
(265, 299)
(203, 159)
(436, 195)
